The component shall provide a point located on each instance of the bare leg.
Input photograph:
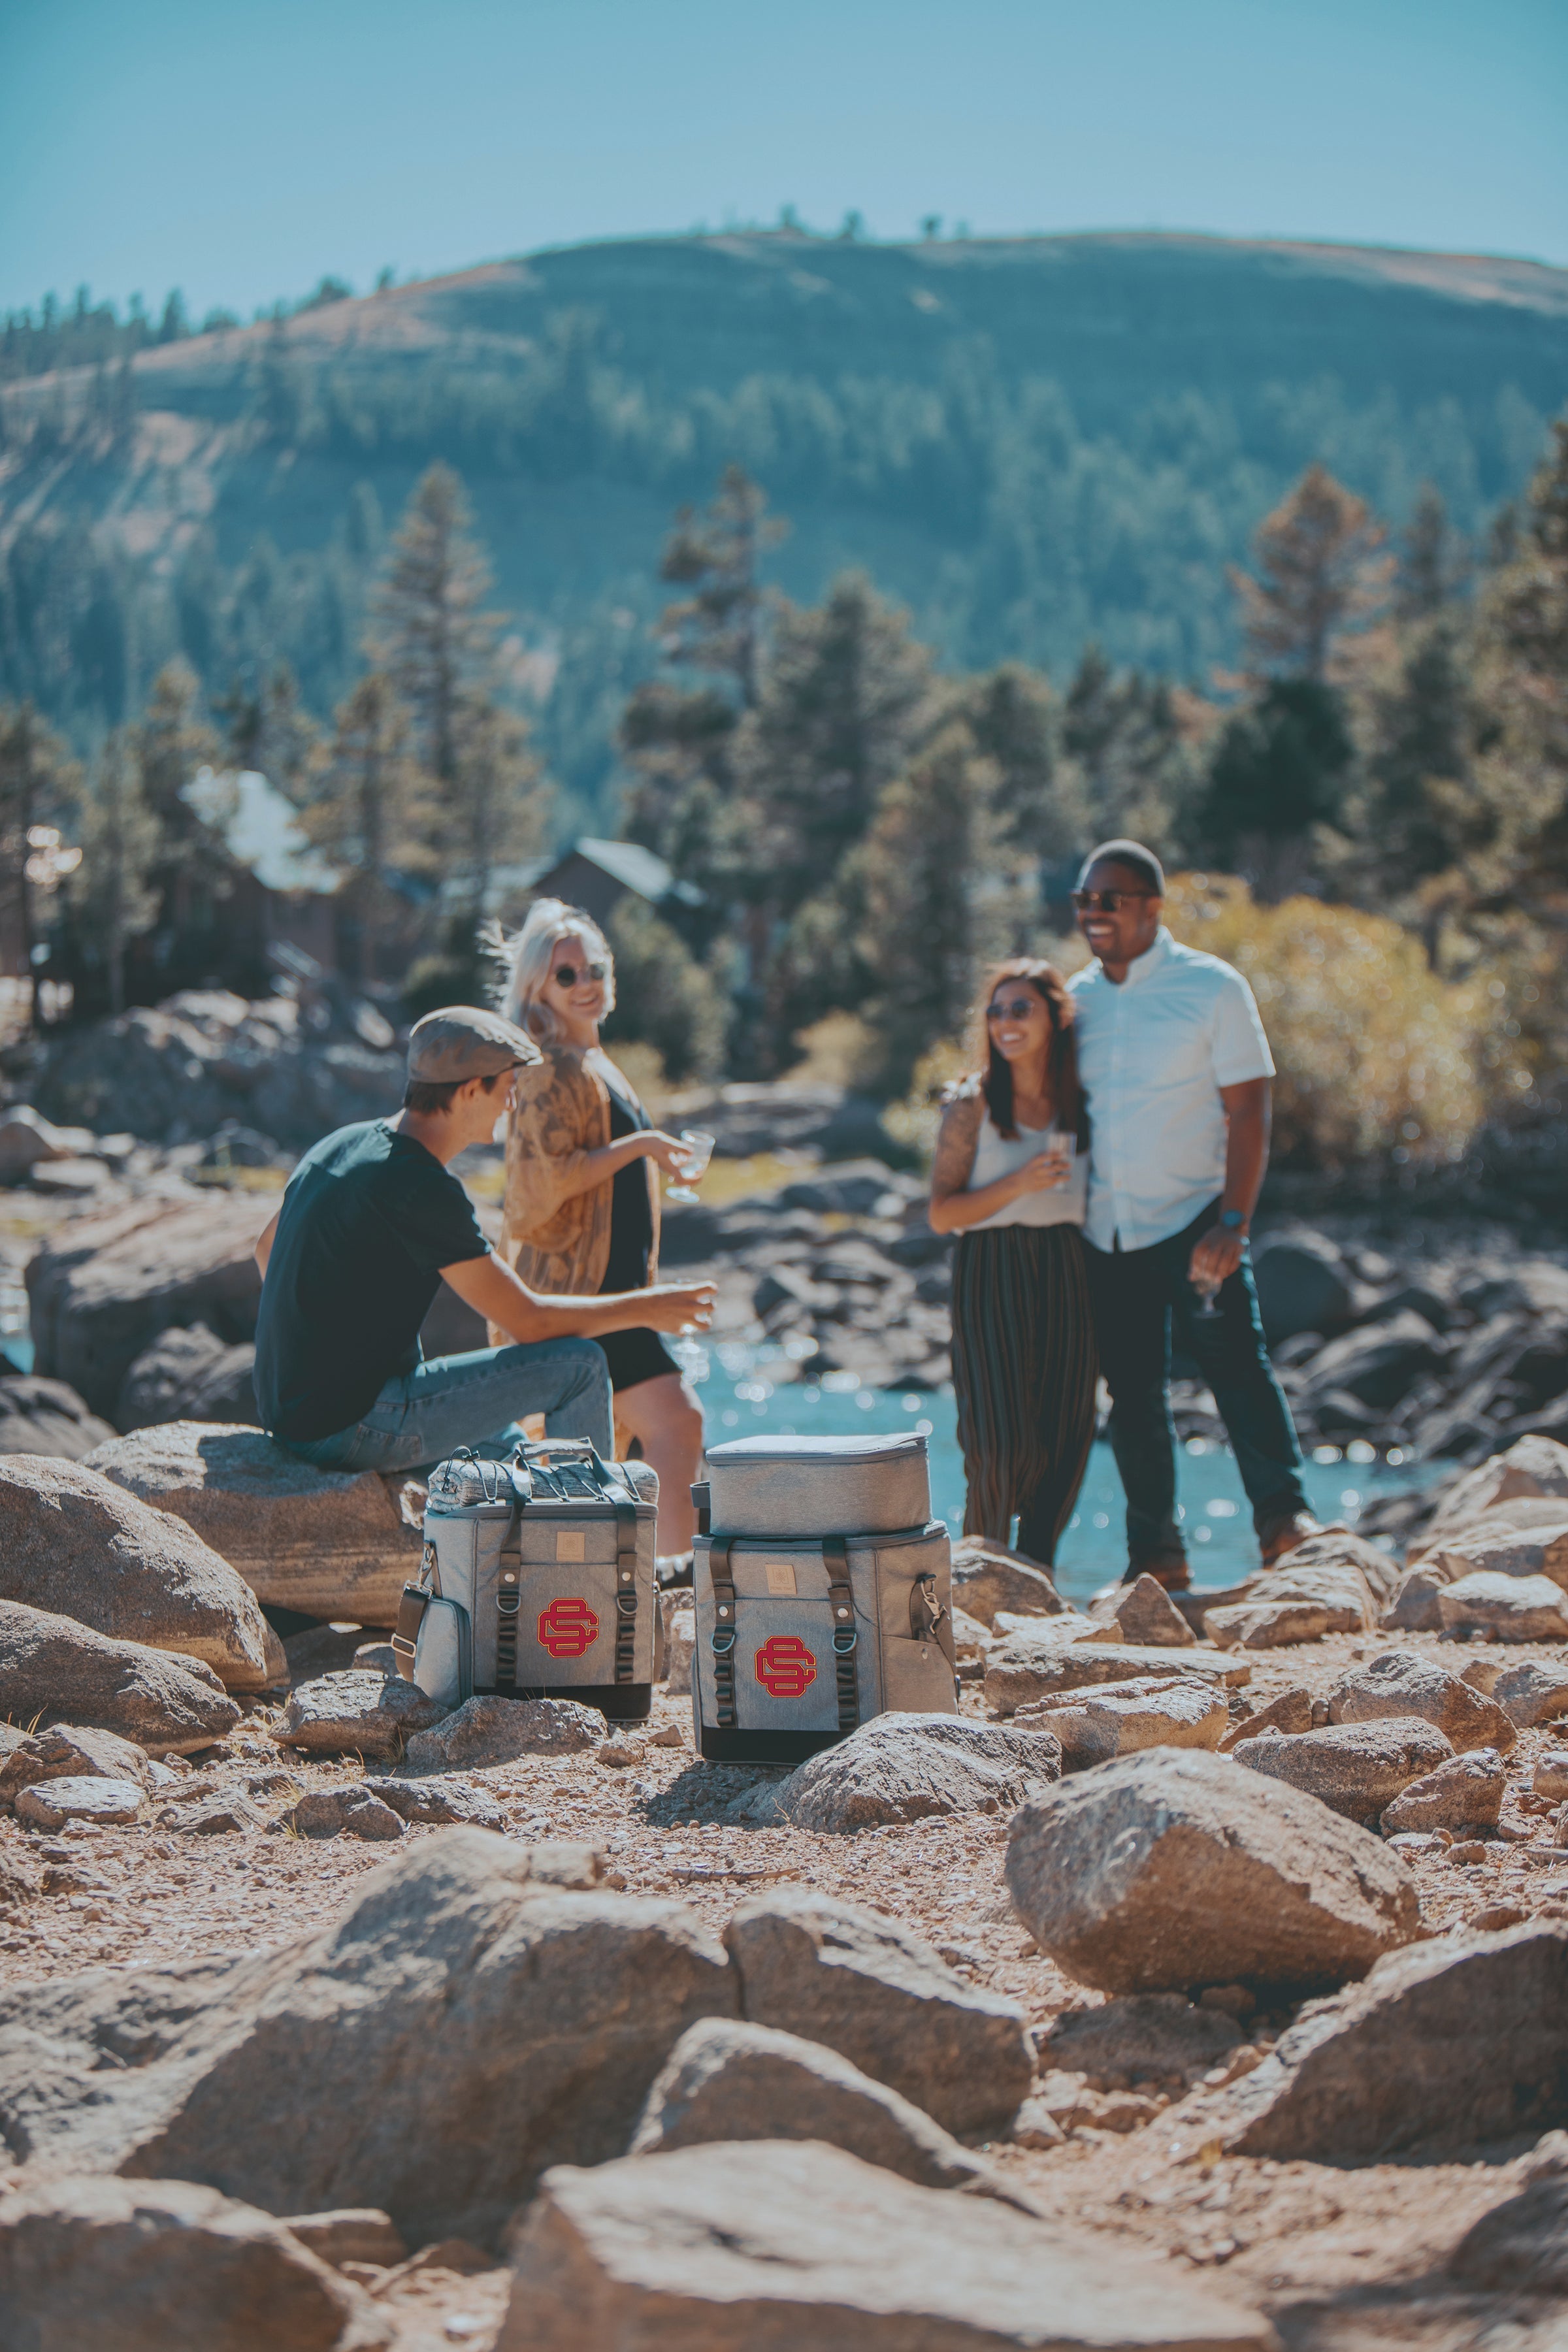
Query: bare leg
(666, 1419)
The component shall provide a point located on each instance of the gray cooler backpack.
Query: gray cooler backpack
(823, 1594)
(537, 1580)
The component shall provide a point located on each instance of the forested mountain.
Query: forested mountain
(1032, 443)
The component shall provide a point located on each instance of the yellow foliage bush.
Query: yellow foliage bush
(1377, 1054)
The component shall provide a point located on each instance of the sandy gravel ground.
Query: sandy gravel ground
(1342, 2258)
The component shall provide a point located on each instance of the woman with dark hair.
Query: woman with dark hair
(1009, 1180)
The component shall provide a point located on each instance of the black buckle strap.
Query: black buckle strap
(725, 1631)
(417, 1598)
(625, 1592)
(928, 1620)
(846, 1637)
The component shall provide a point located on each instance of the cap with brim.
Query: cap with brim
(462, 1042)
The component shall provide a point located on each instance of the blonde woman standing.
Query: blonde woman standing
(1008, 1181)
(581, 1208)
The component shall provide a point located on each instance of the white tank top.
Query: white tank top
(1063, 1204)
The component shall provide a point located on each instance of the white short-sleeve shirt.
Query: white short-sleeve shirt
(1152, 1055)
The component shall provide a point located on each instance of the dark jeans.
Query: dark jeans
(1136, 1294)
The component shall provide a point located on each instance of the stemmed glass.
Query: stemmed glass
(697, 1150)
(1209, 1309)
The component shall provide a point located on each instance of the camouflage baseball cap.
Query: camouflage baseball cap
(464, 1040)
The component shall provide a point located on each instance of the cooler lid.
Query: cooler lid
(817, 1449)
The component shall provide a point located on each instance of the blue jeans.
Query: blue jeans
(1136, 1294)
(476, 1400)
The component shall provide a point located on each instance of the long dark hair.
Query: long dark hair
(1061, 1063)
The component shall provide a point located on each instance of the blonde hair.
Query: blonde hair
(528, 956)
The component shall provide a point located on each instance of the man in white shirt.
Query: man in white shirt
(1175, 1072)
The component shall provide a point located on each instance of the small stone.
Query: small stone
(1030, 1666)
(49, 1804)
(1400, 1683)
(1289, 1713)
(1146, 1613)
(668, 1734)
(77, 1752)
(1465, 1793)
(437, 1801)
(356, 1714)
(618, 1753)
(1117, 1719)
(1550, 1778)
(1533, 1691)
(1505, 1607)
(563, 1862)
(681, 1640)
(868, 1988)
(493, 1730)
(1283, 1620)
(1033, 2125)
(365, 1816)
(729, 2080)
(909, 1768)
(216, 1818)
(1147, 2036)
(988, 1577)
(1354, 1769)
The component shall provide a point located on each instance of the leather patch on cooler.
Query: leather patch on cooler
(780, 1576)
(571, 1543)
(784, 1666)
(567, 1628)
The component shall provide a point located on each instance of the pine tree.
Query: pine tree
(41, 789)
(678, 738)
(1011, 715)
(847, 695)
(1322, 577)
(496, 809)
(924, 872)
(1280, 768)
(432, 635)
(1129, 771)
(168, 744)
(122, 851)
(1431, 563)
(368, 811)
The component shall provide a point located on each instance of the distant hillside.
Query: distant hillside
(1031, 441)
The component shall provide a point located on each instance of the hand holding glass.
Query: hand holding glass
(697, 1150)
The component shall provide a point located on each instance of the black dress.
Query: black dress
(639, 1355)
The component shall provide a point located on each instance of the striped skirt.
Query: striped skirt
(1024, 1366)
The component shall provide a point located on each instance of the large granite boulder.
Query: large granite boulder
(168, 2266)
(1354, 1769)
(189, 1375)
(456, 2030)
(53, 1669)
(39, 1416)
(73, 1542)
(329, 1543)
(876, 1993)
(1455, 2041)
(1175, 1869)
(1531, 1469)
(778, 2245)
(105, 1286)
(908, 1768)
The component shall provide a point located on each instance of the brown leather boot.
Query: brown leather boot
(1170, 1569)
(1281, 1537)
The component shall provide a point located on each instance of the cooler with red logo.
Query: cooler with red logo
(538, 1581)
(805, 1628)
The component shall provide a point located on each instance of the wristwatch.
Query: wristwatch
(1233, 1220)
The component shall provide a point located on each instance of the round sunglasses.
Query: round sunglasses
(1106, 902)
(1017, 1008)
(566, 975)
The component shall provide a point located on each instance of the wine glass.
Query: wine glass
(1208, 1310)
(697, 1150)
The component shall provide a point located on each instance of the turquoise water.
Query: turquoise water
(741, 1394)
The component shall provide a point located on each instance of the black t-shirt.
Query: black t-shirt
(631, 1214)
(369, 1219)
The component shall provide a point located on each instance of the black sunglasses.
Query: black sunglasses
(566, 975)
(1017, 1008)
(1106, 902)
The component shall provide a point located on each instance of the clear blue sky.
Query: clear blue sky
(239, 149)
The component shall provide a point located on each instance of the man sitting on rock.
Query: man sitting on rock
(371, 1224)
(1175, 1071)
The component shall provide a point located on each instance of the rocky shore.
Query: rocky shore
(1202, 1983)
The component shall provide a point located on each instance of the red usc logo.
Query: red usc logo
(784, 1666)
(567, 1628)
